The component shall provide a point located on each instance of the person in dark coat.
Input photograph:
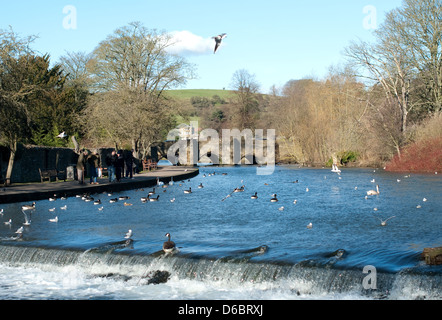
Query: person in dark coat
(111, 162)
(119, 165)
(129, 159)
(94, 163)
(81, 164)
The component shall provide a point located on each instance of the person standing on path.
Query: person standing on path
(94, 163)
(129, 159)
(81, 163)
(111, 162)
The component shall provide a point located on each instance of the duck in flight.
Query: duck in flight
(218, 40)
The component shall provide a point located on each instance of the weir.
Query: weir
(300, 279)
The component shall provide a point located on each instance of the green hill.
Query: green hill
(187, 94)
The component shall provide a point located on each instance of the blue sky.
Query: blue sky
(276, 40)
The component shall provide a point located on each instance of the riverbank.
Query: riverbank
(40, 191)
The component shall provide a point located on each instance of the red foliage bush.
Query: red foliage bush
(422, 156)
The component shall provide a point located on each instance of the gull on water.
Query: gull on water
(129, 234)
(54, 220)
(384, 222)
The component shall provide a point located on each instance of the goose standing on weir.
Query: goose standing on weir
(169, 245)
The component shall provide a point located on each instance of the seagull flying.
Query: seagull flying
(218, 40)
(62, 135)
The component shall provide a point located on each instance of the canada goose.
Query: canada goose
(151, 193)
(28, 207)
(113, 200)
(96, 202)
(123, 198)
(168, 246)
(274, 199)
(373, 192)
(241, 189)
(144, 199)
(188, 191)
(154, 199)
(255, 196)
(200, 186)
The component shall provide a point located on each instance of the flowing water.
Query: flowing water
(229, 245)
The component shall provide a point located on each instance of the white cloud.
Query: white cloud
(185, 42)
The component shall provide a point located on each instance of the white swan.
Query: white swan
(373, 192)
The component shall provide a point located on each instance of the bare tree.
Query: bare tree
(245, 102)
(136, 57)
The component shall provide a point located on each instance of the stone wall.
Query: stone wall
(30, 158)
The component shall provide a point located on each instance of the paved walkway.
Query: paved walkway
(40, 191)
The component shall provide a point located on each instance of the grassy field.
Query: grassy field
(186, 94)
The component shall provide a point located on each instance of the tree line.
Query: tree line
(368, 108)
